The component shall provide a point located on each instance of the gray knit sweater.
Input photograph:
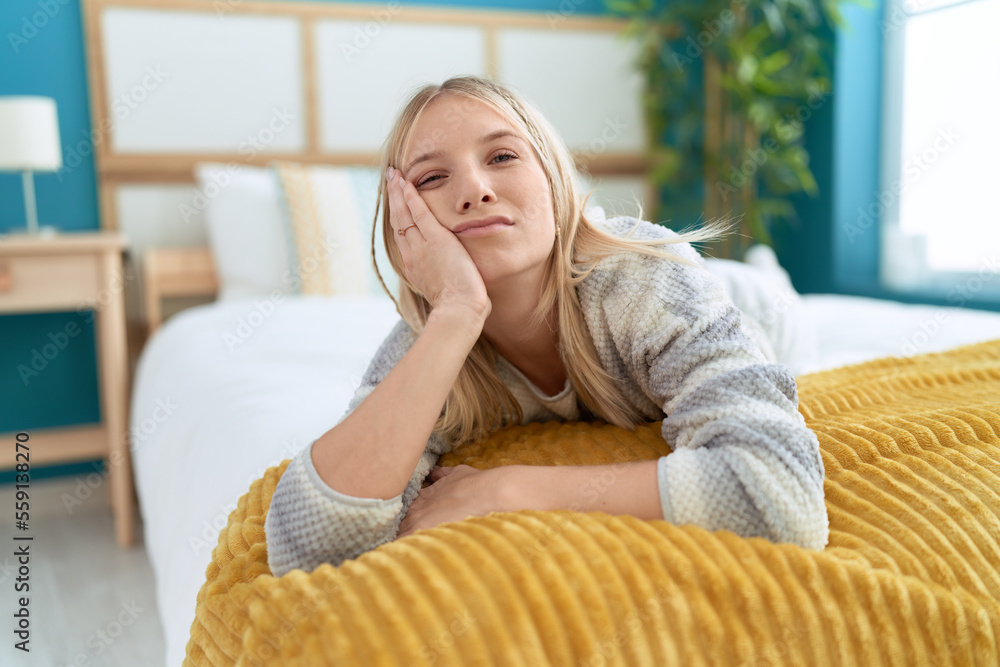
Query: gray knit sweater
(743, 458)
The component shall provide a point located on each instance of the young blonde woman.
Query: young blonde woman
(517, 307)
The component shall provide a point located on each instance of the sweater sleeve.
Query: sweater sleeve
(743, 457)
(310, 523)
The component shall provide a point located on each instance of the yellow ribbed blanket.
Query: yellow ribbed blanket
(911, 575)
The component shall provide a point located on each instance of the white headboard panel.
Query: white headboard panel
(177, 82)
(190, 82)
(362, 79)
(159, 206)
(588, 86)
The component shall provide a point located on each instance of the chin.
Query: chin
(510, 262)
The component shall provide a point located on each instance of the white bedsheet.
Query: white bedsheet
(213, 407)
(209, 415)
(853, 329)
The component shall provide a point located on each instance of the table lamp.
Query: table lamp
(29, 142)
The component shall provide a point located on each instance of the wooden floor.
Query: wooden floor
(91, 602)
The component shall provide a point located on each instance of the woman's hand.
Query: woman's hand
(456, 493)
(435, 261)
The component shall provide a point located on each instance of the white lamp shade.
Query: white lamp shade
(29, 134)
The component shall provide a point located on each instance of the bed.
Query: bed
(212, 204)
(228, 416)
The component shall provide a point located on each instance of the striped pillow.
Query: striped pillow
(329, 212)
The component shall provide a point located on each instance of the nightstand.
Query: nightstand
(82, 272)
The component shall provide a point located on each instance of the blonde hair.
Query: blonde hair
(474, 407)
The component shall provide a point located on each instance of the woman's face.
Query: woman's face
(469, 164)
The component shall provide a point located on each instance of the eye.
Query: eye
(502, 154)
(505, 154)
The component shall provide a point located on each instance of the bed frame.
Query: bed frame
(143, 178)
(151, 62)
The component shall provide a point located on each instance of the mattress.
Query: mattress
(854, 329)
(243, 384)
(228, 378)
(910, 575)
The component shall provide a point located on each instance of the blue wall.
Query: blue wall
(842, 138)
(48, 61)
(42, 53)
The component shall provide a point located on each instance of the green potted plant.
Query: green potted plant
(729, 85)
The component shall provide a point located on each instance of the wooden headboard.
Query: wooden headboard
(177, 82)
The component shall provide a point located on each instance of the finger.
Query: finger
(418, 217)
(399, 219)
(437, 472)
(416, 207)
(398, 201)
(399, 214)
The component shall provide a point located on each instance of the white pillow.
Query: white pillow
(249, 242)
(762, 290)
(329, 212)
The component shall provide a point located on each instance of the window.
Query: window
(939, 196)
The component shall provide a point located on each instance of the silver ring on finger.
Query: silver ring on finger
(402, 232)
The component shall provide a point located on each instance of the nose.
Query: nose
(468, 205)
(474, 190)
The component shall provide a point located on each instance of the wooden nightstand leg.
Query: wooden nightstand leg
(113, 367)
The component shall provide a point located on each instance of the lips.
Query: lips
(492, 220)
